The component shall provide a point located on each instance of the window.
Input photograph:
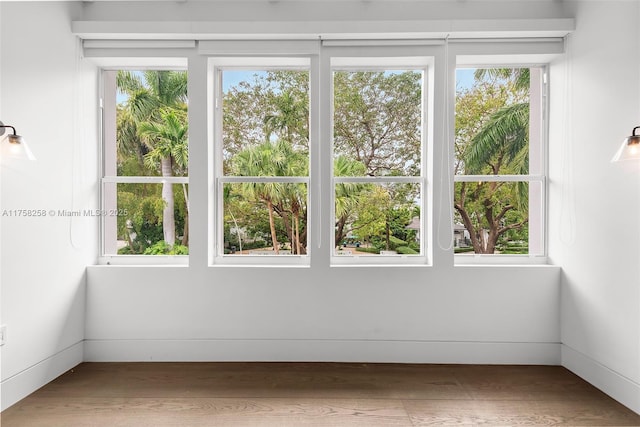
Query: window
(145, 197)
(329, 153)
(499, 162)
(264, 149)
(378, 163)
(262, 160)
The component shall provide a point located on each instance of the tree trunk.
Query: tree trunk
(297, 226)
(287, 222)
(168, 214)
(185, 232)
(340, 235)
(272, 225)
(476, 239)
(388, 234)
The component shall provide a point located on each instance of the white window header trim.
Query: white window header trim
(324, 30)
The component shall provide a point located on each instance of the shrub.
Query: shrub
(161, 248)
(406, 250)
(369, 250)
(463, 250)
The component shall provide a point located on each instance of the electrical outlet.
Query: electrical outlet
(3, 334)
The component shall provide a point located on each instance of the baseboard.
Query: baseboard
(364, 351)
(619, 387)
(29, 380)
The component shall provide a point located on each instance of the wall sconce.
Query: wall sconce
(630, 148)
(14, 147)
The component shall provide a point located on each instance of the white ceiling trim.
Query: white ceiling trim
(324, 30)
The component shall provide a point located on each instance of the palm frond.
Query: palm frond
(142, 104)
(128, 82)
(519, 76)
(506, 132)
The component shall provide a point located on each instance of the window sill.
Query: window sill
(142, 260)
(500, 260)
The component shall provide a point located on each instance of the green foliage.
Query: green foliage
(376, 120)
(394, 243)
(266, 133)
(166, 138)
(142, 226)
(288, 201)
(405, 250)
(162, 248)
(152, 140)
(492, 138)
(269, 107)
(369, 250)
(463, 250)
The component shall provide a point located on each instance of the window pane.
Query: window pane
(377, 120)
(265, 218)
(492, 121)
(145, 218)
(493, 217)
(151, 124)
(377, 219)
(265, 123)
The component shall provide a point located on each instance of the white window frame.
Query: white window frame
(107, 161)
(217, 65)
(437, 180)
(493, 54)
(381, 58)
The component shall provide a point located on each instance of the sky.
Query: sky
(464, 78)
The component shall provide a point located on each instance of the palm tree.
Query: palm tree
(152, 119)
(167, 142)
(346, 194)
(151, 90)
(290, 119)
(261, 160)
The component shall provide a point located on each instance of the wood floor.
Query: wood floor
(315, 394)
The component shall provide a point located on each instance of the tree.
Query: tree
(290, 119)
(152, 119)
(492, 138)
(271, 106)
(167, 141)
(271, 159)
(377, 118)
(346, 195)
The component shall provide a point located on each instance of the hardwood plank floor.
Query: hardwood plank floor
(316, 394)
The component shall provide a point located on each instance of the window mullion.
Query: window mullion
(321, 201)
(498, 178)
(145, 179)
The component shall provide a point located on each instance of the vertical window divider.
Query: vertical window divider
(321, 177)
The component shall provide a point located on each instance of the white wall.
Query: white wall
(595, 207)
(48, 95)
(504, 315)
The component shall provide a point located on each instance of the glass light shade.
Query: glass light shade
(14, 147)
(630, 148)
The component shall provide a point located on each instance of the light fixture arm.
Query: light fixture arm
(14, 147)
(3, 126)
